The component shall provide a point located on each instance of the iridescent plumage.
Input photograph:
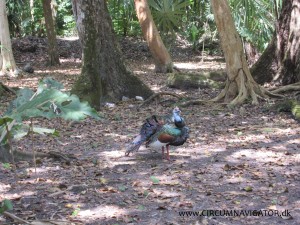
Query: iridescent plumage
(160, 132)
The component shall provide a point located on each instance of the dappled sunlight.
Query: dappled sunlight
(30, 79)
(113, 154)
(4, 188)
(200, 65)
(150, 67)
(21, 194)
(102, 211)
(115, 135)
(236, 179)
(62, 72)
(36, 171)
(139, 72)
(232, 160)
(156, 88)
(266, 135)
(261, 156)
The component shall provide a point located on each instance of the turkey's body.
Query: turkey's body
(160, 133)
(166, 136)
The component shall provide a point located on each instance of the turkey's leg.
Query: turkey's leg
(163, 151)
(168, 154)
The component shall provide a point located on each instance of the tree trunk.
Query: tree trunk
(280, 61)
(240, 84)
(51, 34)
(104, 76)
(251, 52)
(7, 61)
(31, 6)
(162, 58)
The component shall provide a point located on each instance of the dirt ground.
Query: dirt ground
(245, 158)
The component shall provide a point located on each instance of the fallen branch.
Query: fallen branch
(6, 156)
(55, 222)
(15, 218)
(194, 102)
(56, 193)
(157, 95)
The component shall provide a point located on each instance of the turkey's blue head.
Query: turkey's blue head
(177, 119)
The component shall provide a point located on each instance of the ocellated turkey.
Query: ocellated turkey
(160, 132)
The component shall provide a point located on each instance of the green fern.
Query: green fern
(255, 19)
(168, 16)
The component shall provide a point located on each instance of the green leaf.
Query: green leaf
(73, 109)
(6, 166)
(23, 96)
(48, 102)
(22, 131)
(154, 180)
(3, 129)
(248, 189)
(141, 207)
(52, 103)
(76, 212)
(168, 14)
(50, 83)
(5, 120)
(122, 188)
(6, 205)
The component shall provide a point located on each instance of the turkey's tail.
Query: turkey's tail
(134, 145)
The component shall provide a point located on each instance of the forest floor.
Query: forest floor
(244, 158)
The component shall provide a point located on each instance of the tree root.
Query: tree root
(246, 88)
(157, 96)
(290, 87)
(7, 89)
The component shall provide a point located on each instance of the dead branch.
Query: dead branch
(157, 95)
(177, 69)
(60, 155)
(15, 218)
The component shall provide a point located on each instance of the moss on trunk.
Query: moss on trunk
(292, 106)
(295, 109)
(104, 76)
(195, 80)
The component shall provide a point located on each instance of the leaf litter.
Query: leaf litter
(232, 160)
